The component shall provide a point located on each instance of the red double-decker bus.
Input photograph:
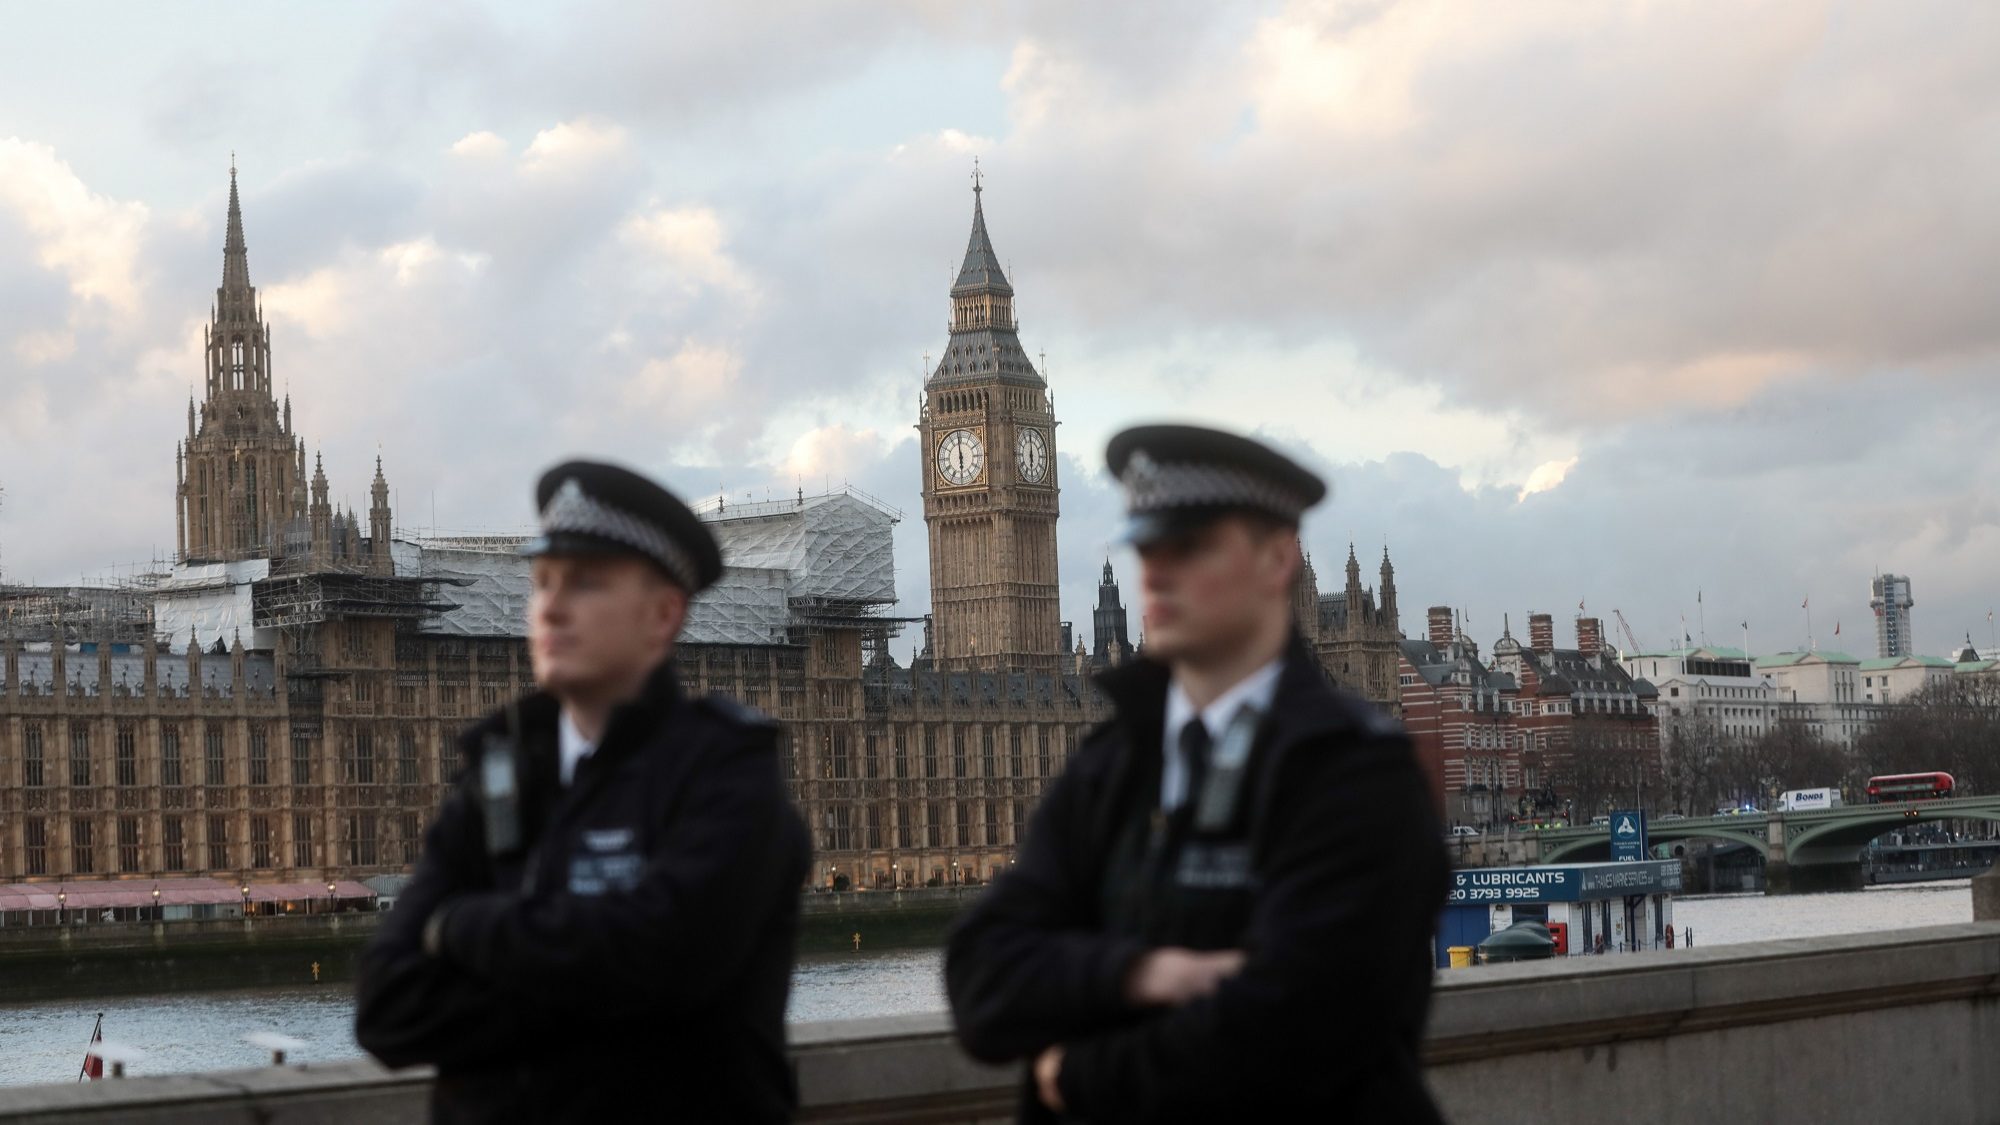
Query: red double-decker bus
(1909, 787)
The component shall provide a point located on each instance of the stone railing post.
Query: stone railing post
(1986, 895)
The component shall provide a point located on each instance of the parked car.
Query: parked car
(1459, 831)
(1600, 820)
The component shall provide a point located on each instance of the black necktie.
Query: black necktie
(1194, 759)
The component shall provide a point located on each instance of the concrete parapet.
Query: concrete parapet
(1891, 1026)
(1986, 895)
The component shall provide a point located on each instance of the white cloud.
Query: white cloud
(835, 454)
(481, 145)
(689, 242)
(684, 386)
(1546, 477)
(90, 239)
(572, 145)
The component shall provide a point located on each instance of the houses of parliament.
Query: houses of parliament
(281, 707)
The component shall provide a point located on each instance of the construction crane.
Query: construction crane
(1626, 629)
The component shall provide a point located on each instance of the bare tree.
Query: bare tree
(1951, 725)
(1610, 764)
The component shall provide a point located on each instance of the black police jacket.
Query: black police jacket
(631, 961)
(1347, 874)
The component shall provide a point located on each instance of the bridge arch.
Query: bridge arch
(1597, 845)
(1854, 833)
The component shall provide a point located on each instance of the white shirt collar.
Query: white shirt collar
(1254, 690)
(574, 747)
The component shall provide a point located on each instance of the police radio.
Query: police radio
(500, 789)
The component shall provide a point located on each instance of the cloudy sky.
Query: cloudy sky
(1571, 302)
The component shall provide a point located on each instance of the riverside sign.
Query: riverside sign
(1574, 883)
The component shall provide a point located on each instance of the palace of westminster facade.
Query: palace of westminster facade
(282, 707)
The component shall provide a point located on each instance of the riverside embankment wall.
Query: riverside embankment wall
(1899, 1026)
(85, 959)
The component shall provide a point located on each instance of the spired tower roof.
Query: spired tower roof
(236, 299)
(985, 344)
(981, 272)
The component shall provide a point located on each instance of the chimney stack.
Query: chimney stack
(1440, 622)
(1541, 632)
(1590, 635)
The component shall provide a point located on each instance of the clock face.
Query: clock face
(960, 457)
(1031, 453)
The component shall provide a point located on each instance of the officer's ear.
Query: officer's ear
(1277, 545)
(668, 605)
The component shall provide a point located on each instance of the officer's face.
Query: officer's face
(598, 624)
(1216, 588)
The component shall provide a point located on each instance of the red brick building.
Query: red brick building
(1535, 731)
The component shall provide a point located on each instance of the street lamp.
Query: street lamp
(156, 902)
(954, 873)
(331, 901)
(896, 876)
(246, 899)
(62, 908)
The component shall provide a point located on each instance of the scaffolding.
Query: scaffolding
(119, 614)
(292, 600)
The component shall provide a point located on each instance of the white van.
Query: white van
(1800, 800)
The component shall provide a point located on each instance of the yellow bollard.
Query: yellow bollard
(857, 941)
(315, 970)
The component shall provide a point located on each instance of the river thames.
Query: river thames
(44, 1042)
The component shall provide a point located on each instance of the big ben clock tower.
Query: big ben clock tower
(988, 434)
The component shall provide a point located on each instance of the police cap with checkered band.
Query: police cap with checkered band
(591, 508)
(1178, 479)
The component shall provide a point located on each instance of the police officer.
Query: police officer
(1222, 910)
(604, 914)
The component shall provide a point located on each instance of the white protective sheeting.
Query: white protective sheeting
(746, 606)
(837, 547)
(208, 601)
(779, 557)
(487, 587)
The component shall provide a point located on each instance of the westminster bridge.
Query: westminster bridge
(1812, 850)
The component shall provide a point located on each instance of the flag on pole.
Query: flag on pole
(93, 1065)
(1807, 604)
(1836, 626)
(1746, 625)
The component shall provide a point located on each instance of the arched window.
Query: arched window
(236, 364)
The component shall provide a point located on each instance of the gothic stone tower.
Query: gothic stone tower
(990, 493)
(1109, 623)
(241, 472)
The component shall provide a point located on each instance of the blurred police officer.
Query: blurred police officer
(1222, 909)
(601, 925)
